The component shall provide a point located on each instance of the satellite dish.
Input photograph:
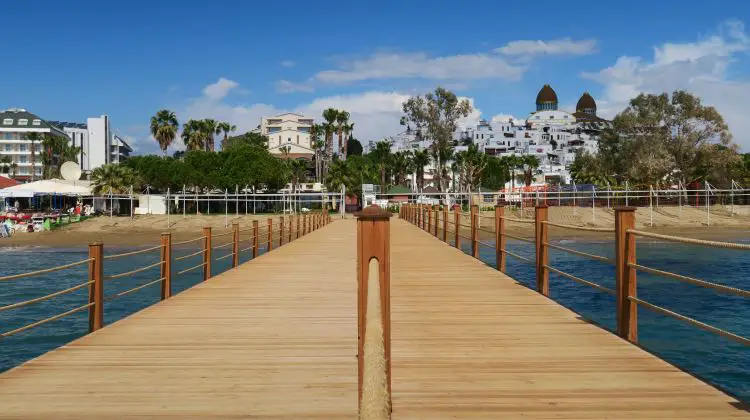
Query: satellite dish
(70, 171)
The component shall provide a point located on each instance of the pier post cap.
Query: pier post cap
(373, 212)
(541, 206)
(624, 208)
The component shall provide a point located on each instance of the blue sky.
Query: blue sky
(237, 61)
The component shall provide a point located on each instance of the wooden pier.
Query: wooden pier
(277, 338)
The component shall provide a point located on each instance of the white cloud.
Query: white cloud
(285, 86)
(563, 46)
(419, 65)
(220, 89)
(698, 67)
(288, 63)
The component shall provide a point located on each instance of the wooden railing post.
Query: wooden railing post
(298, 221)
(457, 226)
(96, 289)
(542, 251)
(289, 238)
(373, 243)
(166, 265)
(256, 239)
(627, 310)
(269, 224)
(474, 232)
(500, 236)
(206, 253)
(235, 245)
(428, 228)
(281, 231)
(445, 223)
(437, 219)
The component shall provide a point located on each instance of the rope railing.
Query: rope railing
(624, 260)
(137, 252)
(96, 261)
(582, 228)
(45, 271)
(45, 297)
(131, 272)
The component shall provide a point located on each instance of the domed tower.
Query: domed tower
(586, 104)
(546, 99)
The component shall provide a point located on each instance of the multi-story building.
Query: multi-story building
(99, 145)
(15, 127)
(288, 135)
(551, 135)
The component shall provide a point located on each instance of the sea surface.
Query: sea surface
(716, 359)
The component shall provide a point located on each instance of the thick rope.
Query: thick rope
(584, 228)
(681, 239)
(375, 404)
(127, 254)
(46, 270)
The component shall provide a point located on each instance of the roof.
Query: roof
(47, 186)
(546, 94)
(586, 102)
(430, 190)
(584, 117)
(66, 124)
(7, 182)
(22, 119)
(399, 189)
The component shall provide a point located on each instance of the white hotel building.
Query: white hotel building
(97, 142)
(288, 135)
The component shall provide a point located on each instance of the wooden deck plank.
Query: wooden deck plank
(468, 342)
(276, 338)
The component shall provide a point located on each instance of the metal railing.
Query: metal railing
(624, 233)
(96, 263)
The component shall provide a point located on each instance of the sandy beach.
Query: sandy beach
(145, 230)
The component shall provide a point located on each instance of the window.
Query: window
(36, 122)
(7, 136)
(289, 140)
(552, 117)
(22, 159)
(7, 148)
(21, 147)
(23, 121)
(8, 121)
(297, 138)
(23, 171)
(279, 140)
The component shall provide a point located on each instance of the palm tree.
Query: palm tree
(420, 159)
(6, 162)
(192, 135)
(298, 172)
(329, 127)
(164, 126)
(337, 176)
(315, 132)
(33, 137)
(381, 155)
(55, 151)
(342, 122)
(531, 162)
(401, 166)
(113, 177)
(209, 128)
(225, 128)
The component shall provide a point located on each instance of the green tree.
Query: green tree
(471, 165)
(226, 128)
(192, 135)
(6, 162)
(353, 147)
(209, 128)
(530, 164)
(342, 127)
(420, 159)
(495, 174)
(34, 138)
(329, 128)
(55, 151)
(164, 127)
(401, 163)
(114, 178)
(381, 156)
(588, 169)
(249, 138)
(297, 172)
(436, 115)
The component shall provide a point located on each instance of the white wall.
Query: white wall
(99, 141)
(79, 137)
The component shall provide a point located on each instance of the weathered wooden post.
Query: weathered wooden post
(542, 251)
(298, 221)
(445, 223)
(281, 231)
(474, 212)
(457, 226)
(437, 219)
(96, 288)
(304, 224)
(373, 259)
(500, 236)
(429, 219)
(235, 245)
(256, 237)
(627, 310)
(206, 253)
(289, 238)
(166, 265)
(269, 227)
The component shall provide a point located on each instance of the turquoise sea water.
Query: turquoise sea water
(715, 359)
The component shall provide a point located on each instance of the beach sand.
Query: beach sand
(145, 230)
